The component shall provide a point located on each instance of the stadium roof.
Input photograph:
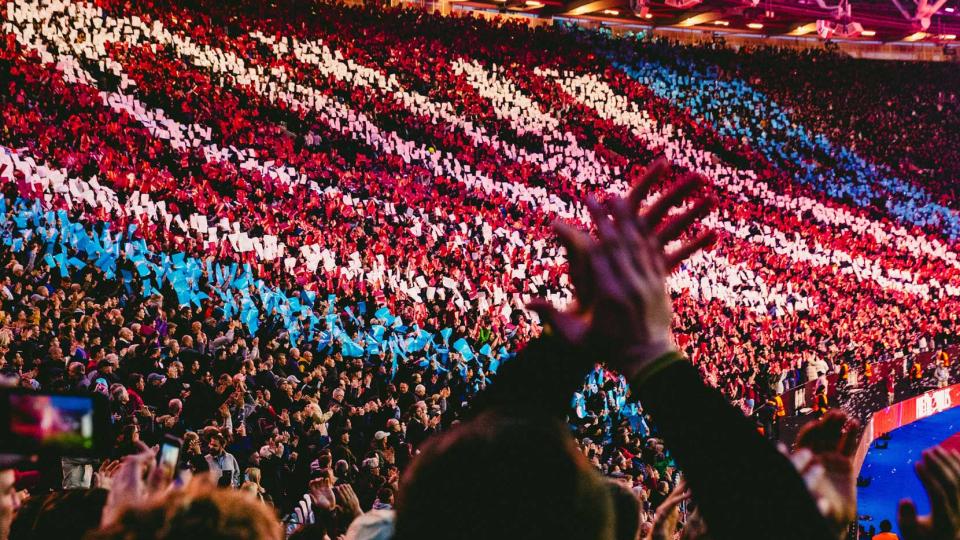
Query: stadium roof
(937, 22)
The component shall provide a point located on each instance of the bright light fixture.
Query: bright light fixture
(533, 3)
(648, 16)
(803, 30)
(755, 26)
(611, 12)
(916, 36)
(947, 37)
(868, 33)
(721, 23)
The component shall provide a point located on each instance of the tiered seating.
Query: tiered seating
(412, 164)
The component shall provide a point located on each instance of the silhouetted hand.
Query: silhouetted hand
(668, 513)
(349, 499)
(939, 471)
(135, 481)
(622, 309)
(823, 458)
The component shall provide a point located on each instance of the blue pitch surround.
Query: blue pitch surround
(891, 469)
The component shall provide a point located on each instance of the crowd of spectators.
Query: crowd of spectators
(384, 183)
(852, 101)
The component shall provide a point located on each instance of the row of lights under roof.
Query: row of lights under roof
(866, 33)
(752, 25)
(759, 26)
(614, 13)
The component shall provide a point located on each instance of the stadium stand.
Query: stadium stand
(308, 234)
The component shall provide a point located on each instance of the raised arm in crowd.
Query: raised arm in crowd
(744, 487)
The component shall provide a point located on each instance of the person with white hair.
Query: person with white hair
(372, 525)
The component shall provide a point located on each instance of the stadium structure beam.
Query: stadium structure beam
(583, 7)
(700, 18)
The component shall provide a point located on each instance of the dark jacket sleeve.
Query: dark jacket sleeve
(744, 487)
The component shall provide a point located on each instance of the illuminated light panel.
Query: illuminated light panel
(803, 30)
(721, 23)
(947, 37)
(868, 33)
(612, 12)
(916, 36)
(755, 26)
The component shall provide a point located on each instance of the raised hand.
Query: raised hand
(939, 472)
(823, 458)
(622, 308)
(136, 480)
(349, 499)
(103, 478)
(321, 491)
(668, 513)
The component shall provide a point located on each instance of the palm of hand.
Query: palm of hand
(824, 461)
(323, 496)
(838, 489)
(621, 306)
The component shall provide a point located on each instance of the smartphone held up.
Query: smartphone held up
(43, 423)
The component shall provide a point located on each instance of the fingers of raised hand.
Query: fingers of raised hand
(702, 240)
(679, 223)
(850, 439)
(677, 496)
(907, 519)
(650, 176)
(110, 467)
(829, 434)
(940, 474)
(672, 196)
(577, 243)
(949, 462)
(606, 231)
(932, 483)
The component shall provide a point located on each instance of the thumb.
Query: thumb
(569, 327)
(907, 519)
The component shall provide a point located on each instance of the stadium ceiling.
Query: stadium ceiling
(935, 22)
